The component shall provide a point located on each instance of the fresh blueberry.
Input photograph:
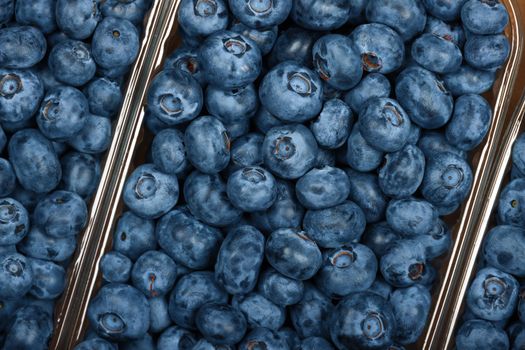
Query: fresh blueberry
(372, 85)
(291, 92)
(7, 178)
(95, 136)
(94, 344)
(80, 173)
(437, 241)
(447, 31)
(78, 19)
(411, 307)
(186, 60)
(230, 59)
(518, 154)
(7, 9)
(322, 188)
(311, 315)
(382, 288)
(511, 202)
(117, 72)
(469, 80)
(176, 338)
(378, 237)
(154, 273)
(436, 53)
(34, 160)
(134, 235)
(115, 43)
(3, 139)
(221, 323)
(424, 97)
(402, 172)
(360, 155)
(246, 151)
(115, 267)
(159, 317)
(40, 246)
(71, 63)
(31, 327)
(320, 14)
(444, 10)
(38, 13)
(119, 312)
(264, 120)
(22, 47)
(265, 38)
(289, 151)
(259, 311)
(325, 157)
(14, 221)
(236, 128)
(280, 289)
(232, 104)
(150, 193)
(481, 335)
(493, 295)
(411, 216)
(294, 44)
(16, 275)
(332, 127)
(433, 143)
(363, 320)
(484, 16)
(20, 95)
(252, 189)
(263, 338)
(202, 17)
(487, 52)
(502, 249)
(407, 17)
(261, 13)
(366, 193)
(131, 10)
(404, 263)
(49, 279)
(291, 336)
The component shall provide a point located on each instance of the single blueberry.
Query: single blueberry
(404, 263)
(7, 178)
(294, 44)
(436, 54)
(176, 338)
(411, 216)
(154, 273)
(16, 275)
(131, 10)
(448, 31)
(259, 311)
(310, 317)
(359, 154)
(79, 18)
(95, 136)
(221, 323)
(232, 105)
(511, 202)
(186, 59)
(49, 279)
(246, 151)
(407, 17)
(279, 289)
(320, 14)
(38, 13)
(469, 80)
(265, 38)
(71, 62)
(487, 52)
(202, 17)
(332, 127)
(14, 221)
(481, 335)
(518, 154)
(484, 16)
(378, 237)
(31, 327)
(437, 241)
(22, 47)
(444, 10)
(411, 307)
(502, 249)
(366, 193)
(20, 95)
(402, 172)
(322, 188)
(134, 235)
(80, 173)
(159, 316)
(115, 267)
(40, 246)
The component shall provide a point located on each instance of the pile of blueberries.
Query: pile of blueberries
(303, 153)
(495, 312)
(62, 64)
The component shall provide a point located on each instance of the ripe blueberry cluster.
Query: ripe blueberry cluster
(62, 64)
(495, 316)
(303, 154)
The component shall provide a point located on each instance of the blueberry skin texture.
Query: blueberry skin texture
(115, 43)
(436, 54)
(313, 343)
(119, 312)
(487, 52)
(221, 323)
(199, 19)
(190, 293)
(510, 204)
(320, 15)
(346, 270)
(337, 61)
(481, 335)
(49, 279)
(322, 188)
(483, 18)
(404, 263)
(78, 19)
(94, 343)
(502, 249)
(14, 221)
(372, 85)
(3, 139)
(411, 217)
(186, 59)
(293, 254)
(133, 10)
(7, 178)
(279, 289)
(447, 180)
(291, 92)
(63, 113)
(259, 311)
(16, 275)
(452, 32)
(424, 97)
(95, 136)
(230, 60)
(257, 14)
(61, 214)
(291, 337)
(159, 316)
(232, 105)
(154, 273)
(360, 155)
(411, 307)
(402, 172)
(203, 344)
(22, 47)
(381, 48)
(30, 328)
(469, 80)
(40, 246)
(366, 193)
(335, 226)
(407, 17)
(518, 154)
(311, 315)
(384, 124)
(362, 320)
(265, 38)
(80, 173)
(21, 93)
(378, 237)
(115, 267)
(294, 44)
(470, 122)
(437, 241)
(264, 338)
(34, 160)
(71, 63)
(7, 9)
(289, 151)
(176, 337)
(40, 13)
(246, 151)
(252, 189)
(134, 235)
(264, 120)
(493, 295)
(332, 127)
(207, 199)
(433, 143)
(174, 97)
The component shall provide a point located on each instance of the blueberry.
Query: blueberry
(337, 61)
(159, 316)
(502, 249)
(150, 193)
(154, 273)
(190, 293)
(380, 47)
(263, 338)
(80, 173)
(437, 241)
(436, 54)
(322, 188)
(95, 136)
(293, 254)
(40, 246)
(207, 199)
(7, 9)
(16, 275)
(447, 31)
(14, 221)
(279, 289)
(71, 62)
(115, 43)
(176, 338)
(360, 155)
(131, 10)
(202, 17)
(94, 344)
(411, 307)
(487, 51)
(34, 160)
(433, 143)
(221, 323)
(259, 311)
(174, 97)
(246, 151)
(7, 178)
(3, 139)
(203, 344)
(447, 180)
(424, 97)
(119, 312)
(444, 10)
(493, 295)
(186, 59)
(291, 337)
(265, 38)
(335, 226)
(289, 151)
(411, 217)
(484, 17)
(230, 59)
(363, 320)
(404, 263)
(378, 237)
(346, 270)
(315, 343)
(332, 127)
(30, 328)
(20, 95)
(79, 18)
(381, 288)
(115, 267)
(291, 92)
(407, 17)
(134, 235)
(294, 44)
(236, 128)
(49, 279)
(117, 72)
(372, 85)
(144, 343)
(366, 193)
(518, 154)
(511, 202)
(481, 335)
(469, 80)
(22, 47)
(232, 104)
(402, 172)
(320, 14)
(39, 13)
(325, 157)
(61, 214)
